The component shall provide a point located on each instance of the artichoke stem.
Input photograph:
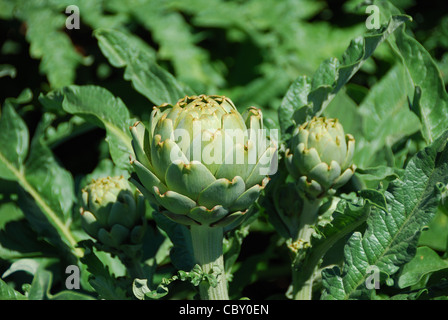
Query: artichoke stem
(303, 287)
(207, 247)
(308, 218)
(305, 290)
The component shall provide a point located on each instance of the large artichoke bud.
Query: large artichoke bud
(201, 161)
(113, 213)
(320, 157)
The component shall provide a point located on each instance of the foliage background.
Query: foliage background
(249, 50)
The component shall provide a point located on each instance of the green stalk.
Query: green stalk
(302, 283)
(207, 247)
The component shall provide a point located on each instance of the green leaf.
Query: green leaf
(14, 140)
(28, 265)
(119, 46)
(18, 240)
(195, 277)
(46, 188)
(97, 14)
(7, 70)
(374, 197)
(435, 236)
(391, 237)
(41, 285)
(378, 173)
(181, 253)
(148, 78)
(42, 282)
(232, 246)
(383, 111)
(296, 97)
(426, 261)
(48, 42)
(100, 278)
(140, 289)
(331, 76)
(46, 175)
(99, 106)
(177, 43)
(8, 293)
(47, 193)
(430, 101)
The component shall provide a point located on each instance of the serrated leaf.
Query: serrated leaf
(100, 278)
(148, 78)
(383, 111)
(47, 176)
(331, 76)
(42, 283)
(430, 101)
(140, 288)
(48, 42)
(171, 31)
(99, 106)
(295, 98)
(391, 237)
(47, 193)
(41, 178)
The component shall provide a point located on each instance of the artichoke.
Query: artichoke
(320, 157)
(113, 213)
(200, 161)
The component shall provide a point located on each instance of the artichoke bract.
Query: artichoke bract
(320, 157)
(113, 213)
(201, 161)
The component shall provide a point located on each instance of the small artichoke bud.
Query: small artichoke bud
(320, 157)
(113, 213)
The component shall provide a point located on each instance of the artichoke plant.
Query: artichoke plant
(320, 157)
(201, 161)
(113, 213)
